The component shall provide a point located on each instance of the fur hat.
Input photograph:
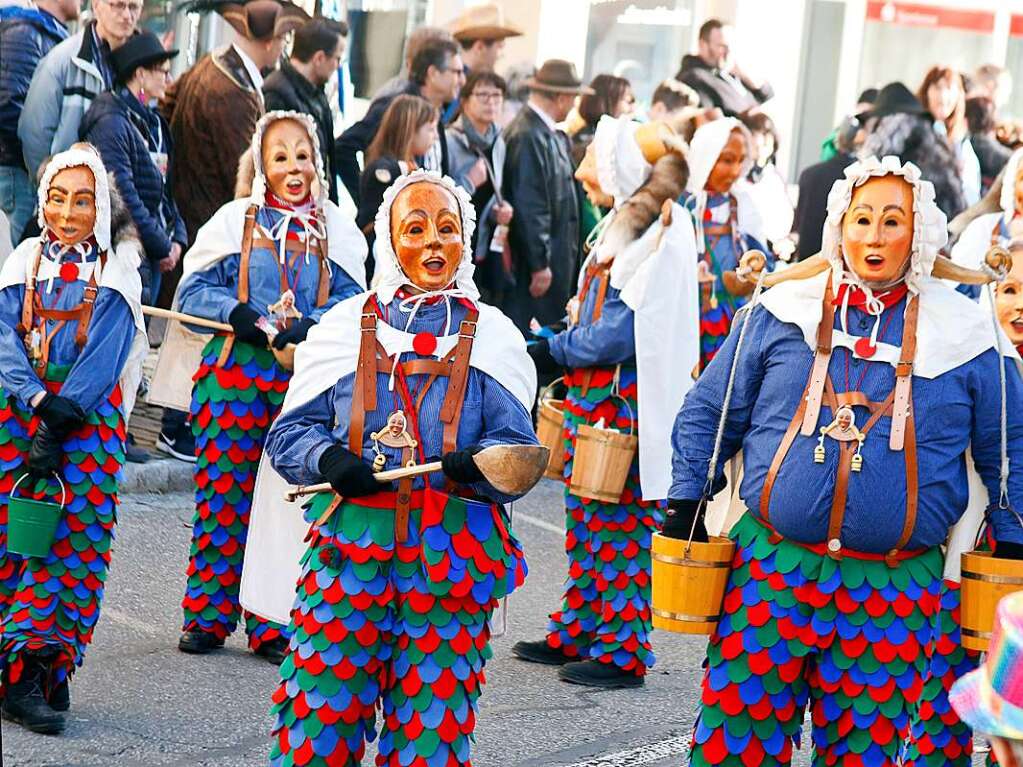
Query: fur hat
(254, 19)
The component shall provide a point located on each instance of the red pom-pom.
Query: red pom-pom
(69, 272)
(865, 349)
(424, 344)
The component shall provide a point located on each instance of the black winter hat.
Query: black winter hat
(893, 99)
(143, 49)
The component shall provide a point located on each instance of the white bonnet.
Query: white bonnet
(1007, 200)
(258, 193)
(705, 148)
(389, 277)
(74, 158)
(930, 227)
(621, 167)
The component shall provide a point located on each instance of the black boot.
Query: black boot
(25, 703)
(595, 674)
(273, 650)
(199, 642)
(60, 696)
(541, 652)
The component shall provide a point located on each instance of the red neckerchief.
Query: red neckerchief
(858, 298)
(1020, 350)
(402, 294)
(273, 201)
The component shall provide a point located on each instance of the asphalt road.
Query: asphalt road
(139, 702)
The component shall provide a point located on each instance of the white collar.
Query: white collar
(250, 66)
(547, 119)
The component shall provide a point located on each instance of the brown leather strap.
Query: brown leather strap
(28, 304)
(852, 399)
(364, 387)
(85, 316)
(246, 254)
(779, 456)
(260, 242)
(402, 501)
(821, 361)
(323, 289)
(912, 487)
(598, 303)
(417, 367)
(904, 376)
(838, 498)
(452, 407)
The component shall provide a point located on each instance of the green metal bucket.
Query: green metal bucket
(32, 524)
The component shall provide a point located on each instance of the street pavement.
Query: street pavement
(139, 702)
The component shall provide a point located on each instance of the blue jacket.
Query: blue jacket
(125, 132)
(26, 35)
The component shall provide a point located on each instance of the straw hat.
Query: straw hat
(990, 699)
(254, 19)
(558, 76)
(483, 22)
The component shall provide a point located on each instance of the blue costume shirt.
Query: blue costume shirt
(213, 293)
(608, 341)
(955, 411)
(95, 368)
(490, 415)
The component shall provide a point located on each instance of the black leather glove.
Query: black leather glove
(1007, 550)
(60, 414)
(540, 353)
(294, 335)
(45, 452)
(679, 521)
(348, 474)
(459, 466)
(243, 319)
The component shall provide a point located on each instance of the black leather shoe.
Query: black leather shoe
(541, 652)
(274, 651)
(199, 642)
(595, 674)
(60, 696)
(25, 703)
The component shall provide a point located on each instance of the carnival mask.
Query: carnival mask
(1009, 302)
(877, 230)
(586, 174)
(70, 210)
(426, 233)
(728, 168)
(289, 162)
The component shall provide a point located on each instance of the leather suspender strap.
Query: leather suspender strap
(323, 289)
(85, 316)
(904, 376)
(821, 360)
(290, 246)
(364, 387)
(243, 277)
(598, 304)
(402, 508)
(28, 304)
(451, 410)
(779, 455)
(912, 488)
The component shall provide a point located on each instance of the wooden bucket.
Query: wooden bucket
(689, 588)
(985, 580)
(550, 423)
(601, 463)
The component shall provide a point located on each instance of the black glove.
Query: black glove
(348, 474)
(459, 467)
(243, 319)
(1006, 550)
(60, 414)
(294, 335)
(679, 521)
(45, 452)
(540, 353)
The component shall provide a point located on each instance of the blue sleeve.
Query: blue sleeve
(298, 438)
(608, 341)
(985, 442)
(101, 362)
(505, 422)
(110, 134)
(342, 286)
(696, 425)
(16, 373)
(212, 293)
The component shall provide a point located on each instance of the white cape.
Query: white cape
(276, 538)
(222, 235)
(658, 282)
(121, 273)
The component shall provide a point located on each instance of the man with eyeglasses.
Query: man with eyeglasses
(26, 35)
(437, 75)
(69, 77)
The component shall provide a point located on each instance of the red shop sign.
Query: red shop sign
(932, 16)
(1016, 26)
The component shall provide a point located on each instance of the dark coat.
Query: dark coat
(26, 35)
(287, 88)
(717, 89)
(992, 155)
(377, 177)
(812, 208)
(360, 135)
(539, 184)
(125, 133)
